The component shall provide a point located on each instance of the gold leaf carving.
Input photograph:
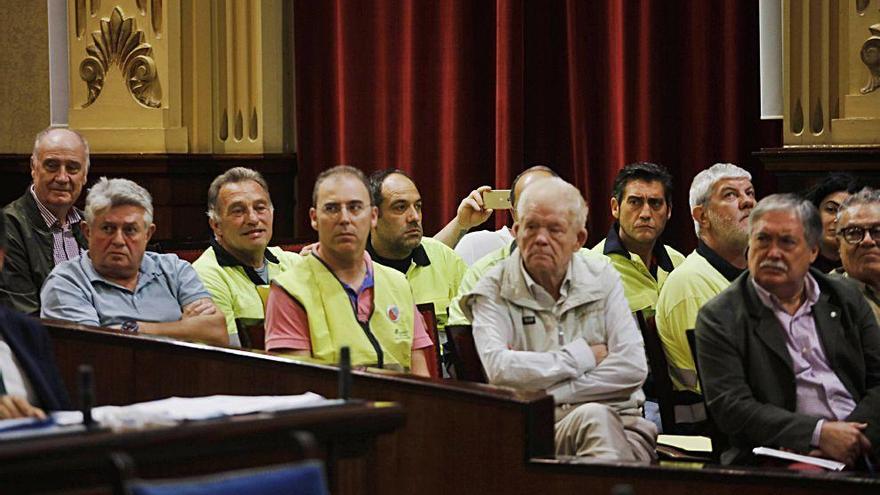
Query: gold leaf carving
(95, 7)
(862, 5)
(120, 43)
(142, 6)
(871, 58)
(80, 17)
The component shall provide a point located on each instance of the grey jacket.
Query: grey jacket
(29, 256)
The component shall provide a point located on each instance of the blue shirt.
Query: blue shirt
(74, 291)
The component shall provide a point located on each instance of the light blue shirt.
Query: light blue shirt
(75, 292)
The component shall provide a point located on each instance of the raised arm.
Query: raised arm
(470, 213)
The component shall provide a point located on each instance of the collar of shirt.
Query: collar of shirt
(727, 270)
(148, 270)
(811, 293)
(352, 294)
(225, 258)
(613, 245)
(418, 256)
(73, 215)
(540, 294)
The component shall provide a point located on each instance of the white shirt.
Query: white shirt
(14, 380)
(474, 245)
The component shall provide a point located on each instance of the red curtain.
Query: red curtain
(464, 93)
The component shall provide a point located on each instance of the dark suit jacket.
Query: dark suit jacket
(30, 343)
(29, 256)
(747, 374)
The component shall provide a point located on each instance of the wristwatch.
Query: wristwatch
(130, 326)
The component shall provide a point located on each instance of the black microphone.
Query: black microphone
(86, 393)
(344, 373)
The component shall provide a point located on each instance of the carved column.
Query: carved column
(125, 75)
(832, 73)
(171, 76)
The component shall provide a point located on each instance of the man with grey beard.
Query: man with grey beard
(721, 198)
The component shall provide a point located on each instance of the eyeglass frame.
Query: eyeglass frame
(874, 230)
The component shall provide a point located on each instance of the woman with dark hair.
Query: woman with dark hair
(827, 195)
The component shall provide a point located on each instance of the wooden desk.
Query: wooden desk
(344, 433)
(458, 437)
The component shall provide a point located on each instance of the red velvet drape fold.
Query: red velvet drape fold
(462, 93)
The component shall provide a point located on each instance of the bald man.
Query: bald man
(43, 224)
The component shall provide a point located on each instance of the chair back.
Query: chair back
(251, 333)
(466, 362)
(719, 439)
(306, 478)
(433, 354)
(667, 397)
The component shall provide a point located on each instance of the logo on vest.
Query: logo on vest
(393, 313)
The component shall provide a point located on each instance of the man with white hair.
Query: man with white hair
(858, 227)
(790, 357)
(43, 224)
(116, 283)
(721, 198)
(546, 319)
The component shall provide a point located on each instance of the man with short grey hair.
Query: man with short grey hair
(790, 357)
(116, 283)
(239, 262)
(44, 224)
(858, 227)
(546, 319)
(721, 198)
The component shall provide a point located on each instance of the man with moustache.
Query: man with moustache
(239, 260)
(432, 268)
(789, 356)
(43, 224)
(641, 205)
(338, 296)
(721, 198)
(858, 227)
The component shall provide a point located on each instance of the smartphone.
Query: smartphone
(497, 199)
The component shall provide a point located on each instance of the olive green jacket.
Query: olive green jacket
(29, 256)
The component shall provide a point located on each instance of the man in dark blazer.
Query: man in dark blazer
(29, 379)
(789, 357)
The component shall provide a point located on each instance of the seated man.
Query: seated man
(240, 213)
(117, 283)
(476, 271)
(721, 198)
(546, 319)
(396, 241)
(29, 379)
(475, 245)
(858, 226)
(790, 357)
(44, 224)
(641, 205)
(338, 297)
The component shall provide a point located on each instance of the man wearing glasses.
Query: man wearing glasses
(338, 297)
(858, 226)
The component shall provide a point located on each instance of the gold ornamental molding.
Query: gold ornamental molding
(870, 54)
(119, 43)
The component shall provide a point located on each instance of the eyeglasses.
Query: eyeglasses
(855, 234)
